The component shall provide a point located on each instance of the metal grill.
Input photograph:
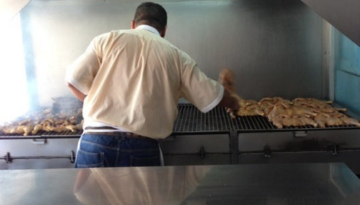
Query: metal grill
(262, 124)
(61, 134)
(65, 134)
(252, 123)
(191, 120)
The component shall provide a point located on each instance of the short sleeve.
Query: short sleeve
(197, 88)
(83, 70)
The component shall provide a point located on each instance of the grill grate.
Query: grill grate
(42, 134)
(261, 124)
(191, 120)
(60, 134)
(252, 123)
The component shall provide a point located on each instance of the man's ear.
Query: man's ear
(133, 24)
(163, 32)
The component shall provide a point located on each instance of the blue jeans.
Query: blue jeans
(97, 150)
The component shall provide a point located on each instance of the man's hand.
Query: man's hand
(226, 79)
(230, 102)
(230, 99)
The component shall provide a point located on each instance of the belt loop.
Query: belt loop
(118, 135)
(123, 135)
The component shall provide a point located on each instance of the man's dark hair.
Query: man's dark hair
(151, 14)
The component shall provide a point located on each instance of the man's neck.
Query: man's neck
(148, 28)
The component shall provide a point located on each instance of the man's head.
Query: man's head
(151, 14)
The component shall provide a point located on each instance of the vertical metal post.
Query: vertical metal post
(234, 144)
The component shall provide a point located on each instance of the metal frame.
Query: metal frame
(192, 122)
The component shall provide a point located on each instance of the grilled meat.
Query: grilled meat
(44, 121)
(296, 113)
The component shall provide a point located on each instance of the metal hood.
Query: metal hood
(344, 15)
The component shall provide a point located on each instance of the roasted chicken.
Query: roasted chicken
(44, 121)
(297, 112)
(226, 79)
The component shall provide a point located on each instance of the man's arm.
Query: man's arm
(78, 94)
(81, 73)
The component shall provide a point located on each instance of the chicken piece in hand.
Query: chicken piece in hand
(230, 103)
(226, 79)
(230, 99)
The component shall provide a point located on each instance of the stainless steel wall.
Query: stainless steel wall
(274, 46)
(347, 72)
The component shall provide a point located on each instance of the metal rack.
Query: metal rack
(197, 138)
(191, 121)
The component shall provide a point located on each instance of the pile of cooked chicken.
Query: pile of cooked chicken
(298, 112)
(285, 113)
(45, 121)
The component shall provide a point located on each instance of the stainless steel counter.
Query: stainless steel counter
(272, 184)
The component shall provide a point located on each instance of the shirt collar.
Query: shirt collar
(148, 28)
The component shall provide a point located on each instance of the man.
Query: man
(130, 82)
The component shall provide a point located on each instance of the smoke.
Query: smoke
(14, 100)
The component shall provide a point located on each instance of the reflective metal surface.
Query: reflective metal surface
(8, 9)
(268, 44)
(343, 15)
(184, 185)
